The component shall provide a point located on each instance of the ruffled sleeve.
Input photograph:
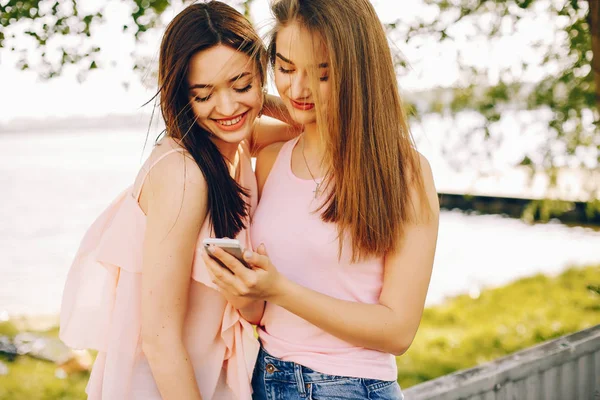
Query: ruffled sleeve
(101, 309)
(113, 242)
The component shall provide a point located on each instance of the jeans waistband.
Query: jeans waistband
(289, 371)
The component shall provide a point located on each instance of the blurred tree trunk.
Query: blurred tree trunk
(594, 21)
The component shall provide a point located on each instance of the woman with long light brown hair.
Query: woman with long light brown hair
(138, 290)
(347, 223)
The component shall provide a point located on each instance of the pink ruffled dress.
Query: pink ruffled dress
(101, 308)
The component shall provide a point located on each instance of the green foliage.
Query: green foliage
(146, 14)
(544, 210)
(44, 21)
(564, 95)
(594, 288)
(465, 332)
(49, 21)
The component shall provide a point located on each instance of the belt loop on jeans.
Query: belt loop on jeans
(299, 379)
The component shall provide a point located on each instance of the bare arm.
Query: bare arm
(175, 194)
(390, 325)
(275, 108)
(276, 125)
(251, 309)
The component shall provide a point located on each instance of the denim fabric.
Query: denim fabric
(275, 379)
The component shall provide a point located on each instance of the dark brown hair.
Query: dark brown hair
(200, 27)
(373, 167)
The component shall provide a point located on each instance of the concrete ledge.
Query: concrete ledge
(566, 368)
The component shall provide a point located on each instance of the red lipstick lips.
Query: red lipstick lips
(301, 105)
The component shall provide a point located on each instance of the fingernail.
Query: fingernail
(211, 249)
(247, 254)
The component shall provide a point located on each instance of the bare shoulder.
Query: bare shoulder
(168, 143)
(174, 170)
(162, 149)
(270, 152)
(268, 130)
(264, 162)
(267, 156)
(429, 196)
(426, 172)
(174, 181)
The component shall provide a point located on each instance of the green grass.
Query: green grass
(461, 333)
(465, 332)
(31, 379)
(7, 328)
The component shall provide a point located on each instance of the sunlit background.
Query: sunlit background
(70, 144)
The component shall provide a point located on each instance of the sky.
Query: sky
(25, 95)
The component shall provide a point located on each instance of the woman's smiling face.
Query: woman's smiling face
(300, 57)
(225, 93)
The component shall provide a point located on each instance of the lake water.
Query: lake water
(53, 185)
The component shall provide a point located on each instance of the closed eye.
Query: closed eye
(199, 99)
(244, 89)
(285, 71)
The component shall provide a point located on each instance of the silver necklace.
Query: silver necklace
(318, 184)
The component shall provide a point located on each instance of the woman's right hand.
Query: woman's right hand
(261, 281)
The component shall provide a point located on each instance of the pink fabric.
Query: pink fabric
(305, 249)
(101, 310)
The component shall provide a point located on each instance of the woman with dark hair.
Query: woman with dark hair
(348, 214)
(138, 292)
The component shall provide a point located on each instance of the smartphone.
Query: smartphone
(231, 246)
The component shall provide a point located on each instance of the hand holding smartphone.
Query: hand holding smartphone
(231, 246)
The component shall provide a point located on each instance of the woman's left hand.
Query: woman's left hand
(261, 281)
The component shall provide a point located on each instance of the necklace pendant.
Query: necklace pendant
(318, 184)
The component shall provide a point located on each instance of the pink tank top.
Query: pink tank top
(305, 250)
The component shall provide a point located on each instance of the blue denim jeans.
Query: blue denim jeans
(275, 379)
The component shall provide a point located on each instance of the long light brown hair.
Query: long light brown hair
(373, 167)
(197, 28)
